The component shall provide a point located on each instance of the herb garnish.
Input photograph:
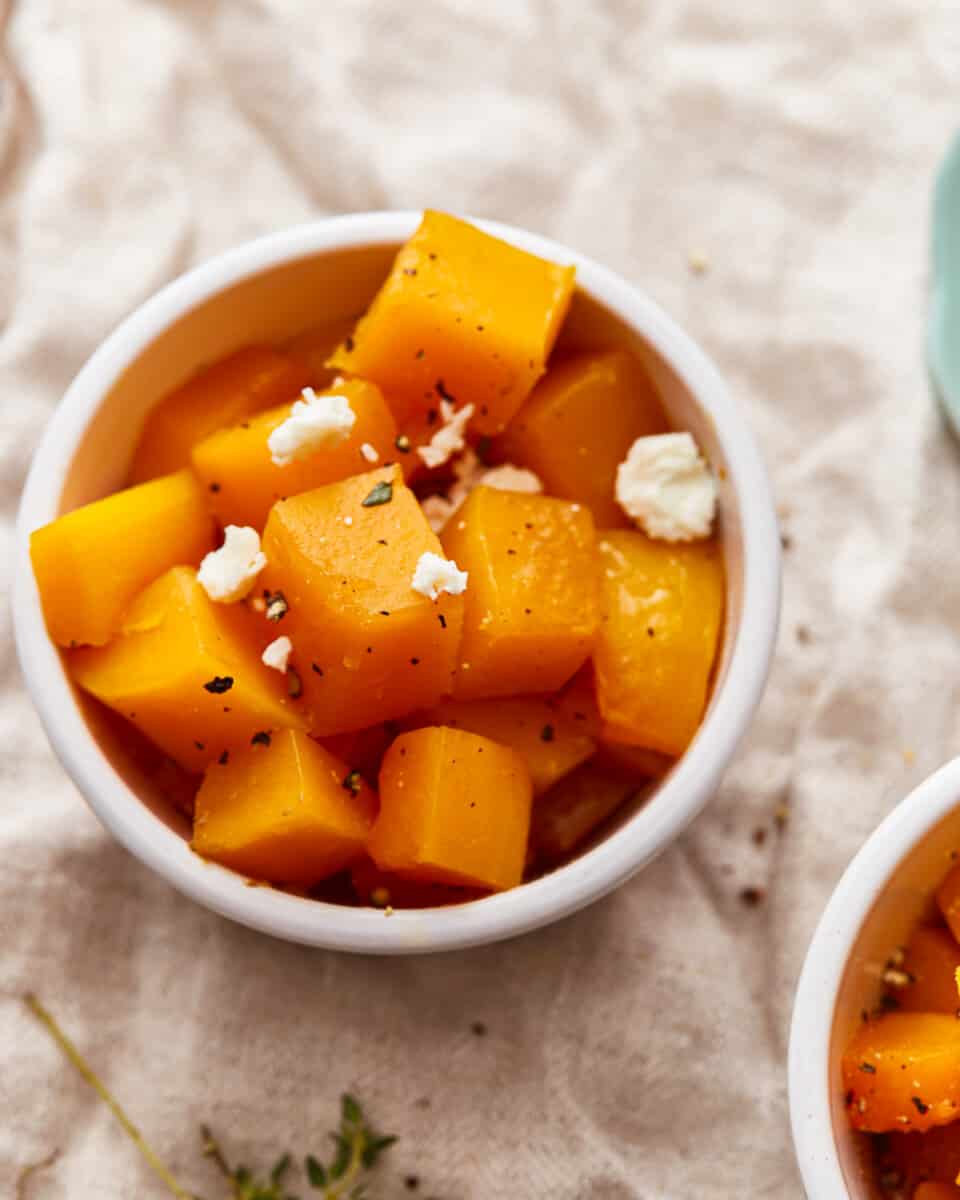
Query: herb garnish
(402, 443)
(380, 493)
(352, 782)
(357, 1145)
(219, 684)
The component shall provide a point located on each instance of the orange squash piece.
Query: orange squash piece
(931, 962)
(380, 889)
(948, 898)
(902, 1072)
(369, 648)
(92, 562)
(454, 809)
(578, 425)
(571, 811)
(245, 382)
(662, 609)
(462, 315)
(242, 480)
(531, 603)
(187, 673)
(313, 346)
(287, 812)
(541, 729)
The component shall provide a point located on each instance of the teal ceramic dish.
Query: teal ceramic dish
(943, 345)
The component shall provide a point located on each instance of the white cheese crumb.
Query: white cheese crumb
(369, 453)
(449, 439)
(666, 487)
(228, 574)
(314, 422)
(348, 520)
(435, 575)
(277, 654)
(509, 478)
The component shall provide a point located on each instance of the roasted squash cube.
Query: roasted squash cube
(902, 1072)
(369, 648)
(454, 809)
(242, 480)
(542, 730)
(287, 811)
(187, 673)
(662, 609)
(578, 425)
(462, 315)
(92, 562)
(248, 381)
(531, 603)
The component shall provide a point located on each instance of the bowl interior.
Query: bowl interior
(904, 899)
(273, 306)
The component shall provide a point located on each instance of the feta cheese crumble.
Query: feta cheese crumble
(666, 487)
(369, 453)
(277, 654)
(314, 423)
(228, 574)
(449, 439)
(509, 478)
(435, 575)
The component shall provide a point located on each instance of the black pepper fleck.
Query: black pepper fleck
(214, 487)
(219, 684)
(348, 344)
(546, 733)
(432, 416)
(752, 896)
(316, 669)
(479, 1029)
(200, 745)
(260, 739)
(919, 1105)
(415, 662)
(442, 619)
(222, 760)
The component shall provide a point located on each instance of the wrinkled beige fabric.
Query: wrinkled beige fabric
(636, 1050)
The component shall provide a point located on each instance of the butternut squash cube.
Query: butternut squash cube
(462, 315)
(662, 609)
(187, 673)
(454, 809)
(369, 648)
(287, 812)
(541, 729)
(578, 425)
(902, 1072)
(245, 382)
(242, 480)
(92, 562)
(931, 962)
(531, 603)
(571, 811)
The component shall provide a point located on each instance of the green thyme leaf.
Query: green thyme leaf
(380, 493)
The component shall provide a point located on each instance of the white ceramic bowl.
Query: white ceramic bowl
(266, 291)
(883, 894)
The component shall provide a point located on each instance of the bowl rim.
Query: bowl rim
(507, 914)
(811, 1029)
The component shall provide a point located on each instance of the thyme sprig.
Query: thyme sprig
(357, 1146)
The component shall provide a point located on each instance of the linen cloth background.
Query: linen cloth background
(635, 1050)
